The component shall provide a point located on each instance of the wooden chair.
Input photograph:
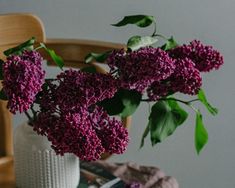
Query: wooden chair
(15, 29)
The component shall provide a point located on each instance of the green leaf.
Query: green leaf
(3, 96)
(164, 118)
(130, 100)
(136, 42)
(99, 57)
(145, 134)
(124, 103)
(138, 20)
(89, 69)
(56, 58)
(28, 45)
(179, 113)
(113, 106)
(1, 73)
(202, 97)
(170, 44)
(201, 135)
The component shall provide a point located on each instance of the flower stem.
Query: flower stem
(155, 30)
(159, 35)
(39, 47)
(149, 107)
(173, 99)
(29, 117)
(185, 102)
(188, 103)
(34, 112)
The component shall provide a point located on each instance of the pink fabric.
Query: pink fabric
(147, 176)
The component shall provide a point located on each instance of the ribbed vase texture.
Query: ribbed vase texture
(37, 165)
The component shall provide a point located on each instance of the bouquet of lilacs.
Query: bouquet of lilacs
(74, 110)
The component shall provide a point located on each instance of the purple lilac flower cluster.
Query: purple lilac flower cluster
(205, 57)
(70, 133)
(190, 60)
(185, 79)
(88, 88)
(23, 78)
(138, 69)
(73, 122)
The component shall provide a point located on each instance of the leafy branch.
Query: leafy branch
(162, 120)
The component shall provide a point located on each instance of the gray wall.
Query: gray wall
(211, 21)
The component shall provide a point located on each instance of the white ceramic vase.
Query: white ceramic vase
(37, 165)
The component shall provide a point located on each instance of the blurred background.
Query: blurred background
(211, 21)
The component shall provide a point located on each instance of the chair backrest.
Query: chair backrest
(17, 28)
(14, 29)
